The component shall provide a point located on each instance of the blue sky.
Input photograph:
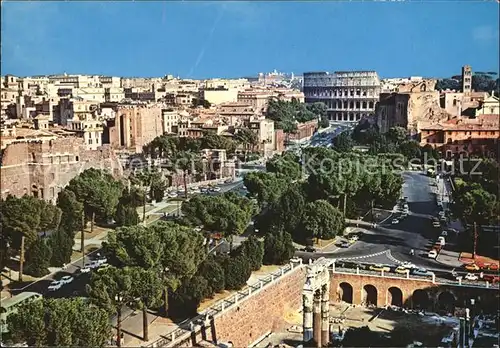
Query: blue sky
(230, 39)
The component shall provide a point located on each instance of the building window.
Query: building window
(90, 141)
(449, 133)
(454, 102)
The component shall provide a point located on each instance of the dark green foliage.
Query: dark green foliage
(253, 250)
(60, 322)
(126, 211)
(61, 243)
(285, 166)
(343, 142)
(72, 209)
(265, 187)
(320, 220)
(236, 271)
(286, 115)
(212, 140)
(213, 272)
(278, 248)
(185, 301)
(38, 258)
(98, 191)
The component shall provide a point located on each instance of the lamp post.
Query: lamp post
(118, 299)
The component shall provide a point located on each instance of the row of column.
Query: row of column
(317, 317)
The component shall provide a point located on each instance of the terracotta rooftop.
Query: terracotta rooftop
(482, 122)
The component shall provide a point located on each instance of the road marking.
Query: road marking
(363, 256)
(392, 258)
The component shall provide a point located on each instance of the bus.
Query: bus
(11, 305)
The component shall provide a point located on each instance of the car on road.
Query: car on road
(401, 269)
(490, 266)
(420, 272)
(345, 245)
(444, 233)
(491, 278)
(102, 260)
(66, 279)
(55, 285)
(471, 276)
(395, 221)
(309, 249)
(380, 268)
(441, 240)
(436, 224)
(432, 254)
(407, 264)
(472, 267)
(85, 269)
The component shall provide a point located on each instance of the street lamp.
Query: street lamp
(119, 335)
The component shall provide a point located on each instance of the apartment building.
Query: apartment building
(463, 136)
(264, 128)
(219, 95)
(74, 109)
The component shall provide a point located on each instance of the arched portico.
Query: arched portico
(370, 295)
(395, 296)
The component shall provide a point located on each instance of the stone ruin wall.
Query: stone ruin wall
(49, 166)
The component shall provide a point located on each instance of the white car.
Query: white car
(55, 285)
(444, 233)
(408, 265)
(471, 276)
(66, 279)
(432, 254)
(93, 264)
(395, 221)
(102, 260)
(85, 269)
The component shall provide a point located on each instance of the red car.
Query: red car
(490, 266)
(491, 278)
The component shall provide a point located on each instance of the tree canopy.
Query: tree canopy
(60, 322)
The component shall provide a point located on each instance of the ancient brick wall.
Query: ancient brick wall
(44, 168)
(385, 287)
(262, 312)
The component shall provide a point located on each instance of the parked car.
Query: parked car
(401, 269)
(102, 260)
(471, 276)
(66, 279)
(85, 269)
(472, 267)
(408, 265)
(432, 254)
(420, 272)
(345, 245)
(490, 266)
(491, 278)
(380, 268)
(395, 221)
(55, 285)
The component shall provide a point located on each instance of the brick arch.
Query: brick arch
(421, 299)
(395, 296)
(446, 300)
(369, 295)
(345, 292)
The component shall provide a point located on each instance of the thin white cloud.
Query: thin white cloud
(485, 34)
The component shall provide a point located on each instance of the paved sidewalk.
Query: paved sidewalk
(449, 258)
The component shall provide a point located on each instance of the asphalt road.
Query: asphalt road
(413, 232)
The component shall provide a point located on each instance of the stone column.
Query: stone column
(325, 315)
(317, 318)
(307, 311)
